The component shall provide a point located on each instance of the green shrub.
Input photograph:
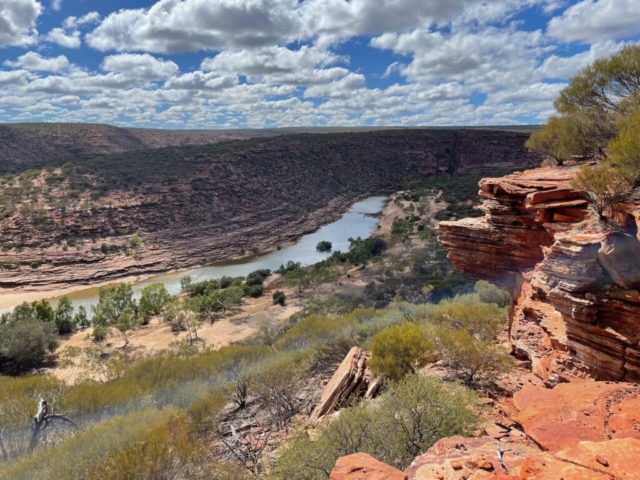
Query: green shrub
(411, 417)
(398, 351)
(470, 358)
(64, 318)
(144, 444)
(312, 330)
(24, 344)
(279, 298)
(324, 246)
(488, 293)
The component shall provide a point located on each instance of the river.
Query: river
(356, 222)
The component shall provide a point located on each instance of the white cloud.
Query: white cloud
(559, 67)
(489, 58)
(56, 5)
(140, 66)
(201, 81)
(34, 62)
(14, 77)
(595, 20)
(74, 22)
(64, 39)
(190, 25)
(279, 65)
(18, 21)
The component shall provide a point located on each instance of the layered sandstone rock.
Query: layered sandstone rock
(511, 237)
(575, 279)
(350, 380)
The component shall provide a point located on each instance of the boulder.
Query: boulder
(361, 466)
(620, 256)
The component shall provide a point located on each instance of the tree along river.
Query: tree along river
(357, 222)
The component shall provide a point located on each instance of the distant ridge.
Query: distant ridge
(23, 145)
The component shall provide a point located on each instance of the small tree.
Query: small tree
(112, 302)
(399, 350)
(126, 323)
(64, 319)
(299, 278)
(154, 298)
(470, 358)
(603, 185)
(43, 310)
(186, 284)
(81, 318)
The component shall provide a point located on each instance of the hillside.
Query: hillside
(100, 217)
(24, 145)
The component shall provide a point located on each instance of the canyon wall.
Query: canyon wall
(103, 217)
(574, 278)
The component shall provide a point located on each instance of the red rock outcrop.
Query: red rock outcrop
(564, 416)
(360, 466)
(574, 278)
(349, 380)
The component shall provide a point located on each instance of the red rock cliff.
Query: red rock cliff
(574, 279)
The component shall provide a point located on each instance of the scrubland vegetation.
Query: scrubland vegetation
(178, 413)
(159, 414)
(598, 120)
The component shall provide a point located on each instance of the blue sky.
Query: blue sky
(278, 63)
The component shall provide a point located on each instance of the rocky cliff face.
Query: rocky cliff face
(574, 278)
(576, 314)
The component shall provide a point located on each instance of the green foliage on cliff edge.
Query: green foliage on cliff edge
(599, 118)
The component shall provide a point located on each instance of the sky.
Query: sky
(219, 64)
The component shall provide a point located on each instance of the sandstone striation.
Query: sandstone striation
(350, 380)
(574, 279)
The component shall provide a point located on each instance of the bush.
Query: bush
(25, 344)
(398, 351)
(279, 298)
(312, 330)
(488, 293)
(254, 291)
(324, 246)
(401, 227)
(143, 444)
(257, 277)
(411, 417)
(471, 358)
(464, 330)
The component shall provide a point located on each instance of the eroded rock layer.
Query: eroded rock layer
(575, 278)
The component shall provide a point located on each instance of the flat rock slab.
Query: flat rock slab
(619, 458)
(361, 466)
(574, 412)
(457, 457)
